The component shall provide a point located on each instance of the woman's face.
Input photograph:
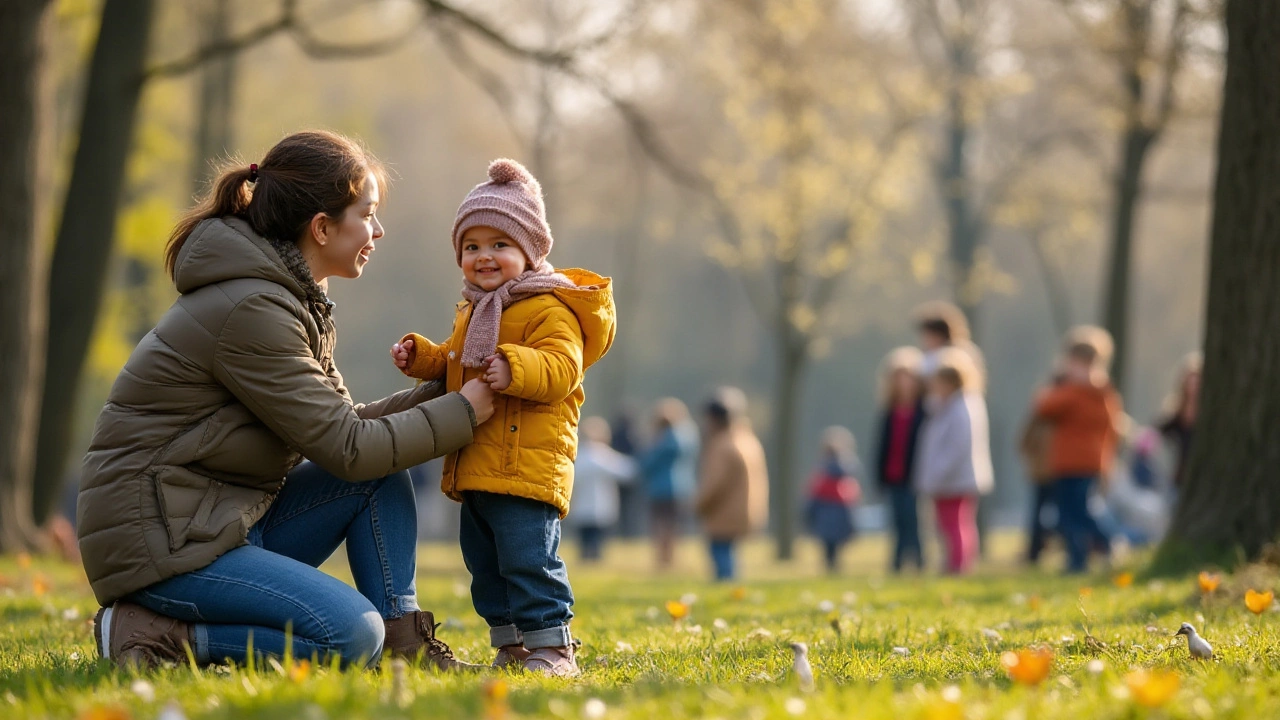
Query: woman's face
(348, 241)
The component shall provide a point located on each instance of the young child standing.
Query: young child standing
(530, 332)
(833, 493)
(953, 464)
(1085, 412)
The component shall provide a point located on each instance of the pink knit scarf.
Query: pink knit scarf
(487, 307)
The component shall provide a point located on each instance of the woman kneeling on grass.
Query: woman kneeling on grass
(200, 525)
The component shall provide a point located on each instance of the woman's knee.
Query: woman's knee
(359, 638)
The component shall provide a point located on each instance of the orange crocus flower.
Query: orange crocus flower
(1029, 666)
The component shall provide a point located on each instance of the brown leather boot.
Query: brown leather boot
(413, 637)
(511, 657)
(135, 637)
(553, 662)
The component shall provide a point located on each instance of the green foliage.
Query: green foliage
(905, 649)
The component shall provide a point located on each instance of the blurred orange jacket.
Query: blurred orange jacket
(1085, 420)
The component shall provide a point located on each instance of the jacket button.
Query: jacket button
(513, 428)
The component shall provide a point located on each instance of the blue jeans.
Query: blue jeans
(258, 594)
(1039, 533)
(906, 527)
(519, 584)
(1077, 525)
(722, 558)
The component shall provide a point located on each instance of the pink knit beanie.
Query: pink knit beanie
(511, 202)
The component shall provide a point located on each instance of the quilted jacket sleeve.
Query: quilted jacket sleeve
(263, 357)
(547, 367)
(427, 361)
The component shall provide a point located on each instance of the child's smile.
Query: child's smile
(490, 259)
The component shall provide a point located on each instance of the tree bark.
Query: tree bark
(217, 96)
(24, 47)
(1135, 148)
(80, 258)
(792, 363)
(1231, 501)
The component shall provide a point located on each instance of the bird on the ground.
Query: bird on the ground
(802, 669)
(1196, 645)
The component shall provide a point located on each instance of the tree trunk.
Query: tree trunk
(217, 96)
(792, 363)
(1135, 147)
(80, 259)
(1231, 501)
(24, 46)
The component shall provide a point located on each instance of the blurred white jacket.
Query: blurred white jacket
(597, 473)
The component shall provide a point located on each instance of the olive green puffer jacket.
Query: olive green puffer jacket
(233, 387)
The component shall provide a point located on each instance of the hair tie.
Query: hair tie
(253, 172)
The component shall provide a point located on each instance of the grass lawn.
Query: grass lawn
(907, 648)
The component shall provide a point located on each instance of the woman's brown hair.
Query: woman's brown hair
(304, 174)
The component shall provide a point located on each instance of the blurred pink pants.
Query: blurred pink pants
(958, 525)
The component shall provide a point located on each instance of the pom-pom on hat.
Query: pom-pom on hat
(511, 201)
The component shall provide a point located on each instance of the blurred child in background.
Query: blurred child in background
(833, 493)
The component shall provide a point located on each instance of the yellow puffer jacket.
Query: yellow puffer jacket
(529, 446)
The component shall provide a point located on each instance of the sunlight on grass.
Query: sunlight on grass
(881, 648)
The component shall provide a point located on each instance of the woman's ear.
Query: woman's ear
(319, 228)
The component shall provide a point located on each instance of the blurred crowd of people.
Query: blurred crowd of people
(1099, 480)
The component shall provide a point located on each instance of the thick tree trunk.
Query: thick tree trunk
(783, 483)
(1231, 501)
(1135, 148)
(80, 259)
(24, 45)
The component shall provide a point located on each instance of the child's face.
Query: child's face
(1078, 370)
(941, 387)
(490, 259)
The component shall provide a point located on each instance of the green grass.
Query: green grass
(729, 659)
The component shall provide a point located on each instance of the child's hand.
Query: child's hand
(498, 374)
(401, 353)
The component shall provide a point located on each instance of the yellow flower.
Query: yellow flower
(677, 610)
(40, 585)
(1152, 688)
(1209, 582)
(300, 670)
(1086, 592)
(1123, 580)
(1258, 602)
(99, 712)
(495, 698)
(739, 594)
(1034, 602)
(942, 710)
(1029, 666)
(24, 561)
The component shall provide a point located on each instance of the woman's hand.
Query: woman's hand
(498, 374)
(401, 354)
(478, 393)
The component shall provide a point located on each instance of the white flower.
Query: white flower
(623, 647)
(759, 634)
(75, 656)
(594, 709)
(693, 629)
(1095, 667)
(795, 706)
(951, 694)
(173, 711)
(901, 652)
(689, 599)
(71, 614)
(144, 690)
(826, 606)
(991, 635)
(720, 624)
(651, 612)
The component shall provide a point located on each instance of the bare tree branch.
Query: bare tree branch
(1173, 58)
(486, 79)
(230, 46)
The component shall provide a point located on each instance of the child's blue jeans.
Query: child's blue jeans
(519, 584)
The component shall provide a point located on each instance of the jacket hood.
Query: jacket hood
(226, 248)
(592, 303)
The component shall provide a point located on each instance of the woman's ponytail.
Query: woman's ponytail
(230, 196)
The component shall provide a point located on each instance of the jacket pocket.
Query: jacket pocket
(199, 509)
(511, 438)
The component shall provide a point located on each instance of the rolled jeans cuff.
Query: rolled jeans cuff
(558, 636)
(201, 650)
(504, 635)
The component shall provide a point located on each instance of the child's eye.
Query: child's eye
(499, 245)
(471, 248)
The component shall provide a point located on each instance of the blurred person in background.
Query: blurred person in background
(833, 493)
(1085, 412)
(901, 415)
(1180, 410)
(953, 466)
(942, 325)
(669, 470)
(1035, 446)
(733, 482)
(597, 473)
